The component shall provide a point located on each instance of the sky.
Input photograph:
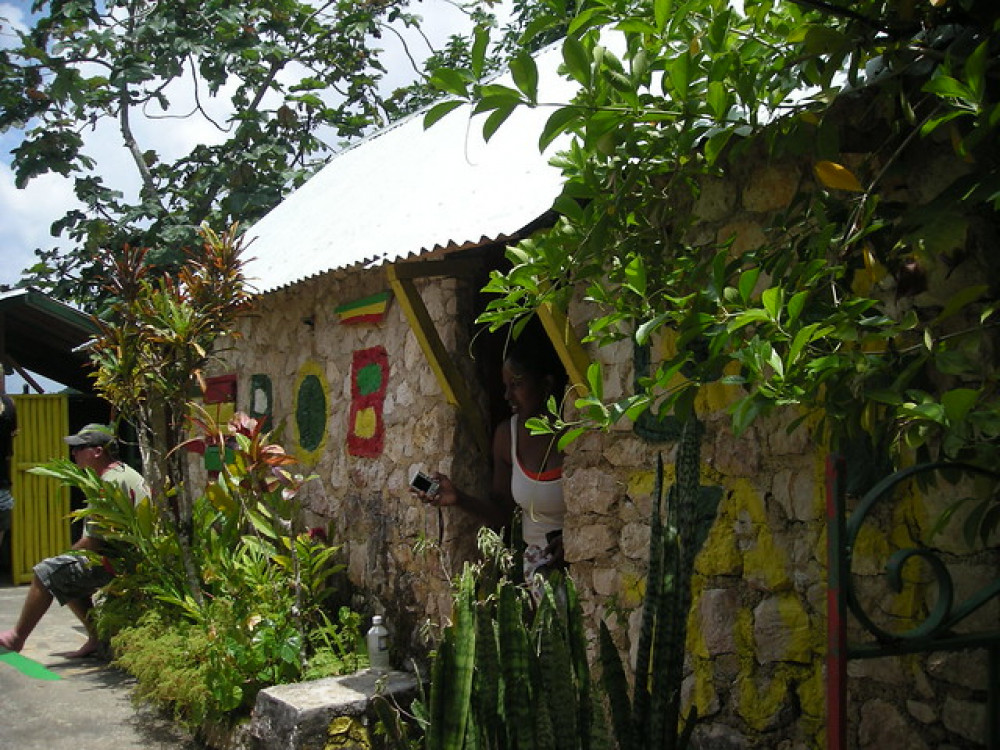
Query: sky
(27, 214)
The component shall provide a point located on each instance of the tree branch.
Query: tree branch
(148, 185)
(197, 98)
(276, 66)
(125, 125)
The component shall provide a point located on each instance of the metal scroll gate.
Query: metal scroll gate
(948, 623)
(40, 526)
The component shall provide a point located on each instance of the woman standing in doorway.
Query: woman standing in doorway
(527, 468)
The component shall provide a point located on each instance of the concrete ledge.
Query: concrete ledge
(333, 711)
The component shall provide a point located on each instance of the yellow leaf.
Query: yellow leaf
(939, 3)
(837, 176)
(219, 498)
(876, 269)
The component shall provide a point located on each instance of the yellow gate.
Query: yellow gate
(40, 526)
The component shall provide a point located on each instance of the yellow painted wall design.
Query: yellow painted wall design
(740, 544)
(311, 412)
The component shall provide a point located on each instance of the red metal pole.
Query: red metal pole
(836, 607)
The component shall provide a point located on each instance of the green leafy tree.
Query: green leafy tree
(674, 95)
(152, 349)
(281, 81)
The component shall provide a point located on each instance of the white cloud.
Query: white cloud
(15, 13)
(29, 213)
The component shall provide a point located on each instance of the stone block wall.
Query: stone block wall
(757, 628)
(399, 554)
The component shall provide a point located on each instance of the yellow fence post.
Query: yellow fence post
(40, 525)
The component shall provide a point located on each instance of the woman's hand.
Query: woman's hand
(447, 493)
(554, 550)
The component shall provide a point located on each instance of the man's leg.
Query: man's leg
(81, 608)
(4, 522)
(35, 605)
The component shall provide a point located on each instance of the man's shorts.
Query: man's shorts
(71, 576)
(6, 504)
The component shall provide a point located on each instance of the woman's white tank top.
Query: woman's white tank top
(541, 500)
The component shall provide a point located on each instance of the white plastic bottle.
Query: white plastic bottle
(378, 645)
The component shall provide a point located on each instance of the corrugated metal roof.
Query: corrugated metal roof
(43, 335)
(406, 190)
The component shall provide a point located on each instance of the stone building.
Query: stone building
(362, 343)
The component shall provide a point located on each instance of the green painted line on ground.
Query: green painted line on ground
(26, 666)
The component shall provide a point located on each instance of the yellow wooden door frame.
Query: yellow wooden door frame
(40, 525)
(567, 345)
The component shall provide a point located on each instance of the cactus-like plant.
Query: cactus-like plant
(511, 669)
(651, 718)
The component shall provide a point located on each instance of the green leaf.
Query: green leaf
(496, 119)
(525, 74)
(946, 86)
(745, 411)
(680, 70)
(746, 318)
(748, 280)
(802, 338)
(772, 299)
(935, 122)
(559, 121)
(569, 207)
(635, 276)
(795, 305)
(595, 381)
(507, 98)
(570, 435)
(929, 411)
(451, 81)
(715, 145)
(644, 331)
(438, 111)
(261, 523)
(718, 99)
(477, 56)
(661, 13)
(957, 403)
(975, 70)
(577, 60)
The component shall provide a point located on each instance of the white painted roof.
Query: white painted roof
(406, 190)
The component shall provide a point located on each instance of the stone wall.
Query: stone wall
(399, 553)
(757, 628)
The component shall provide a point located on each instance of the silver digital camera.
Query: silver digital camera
(423, 483)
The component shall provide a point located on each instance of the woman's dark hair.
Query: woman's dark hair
(533, 353)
